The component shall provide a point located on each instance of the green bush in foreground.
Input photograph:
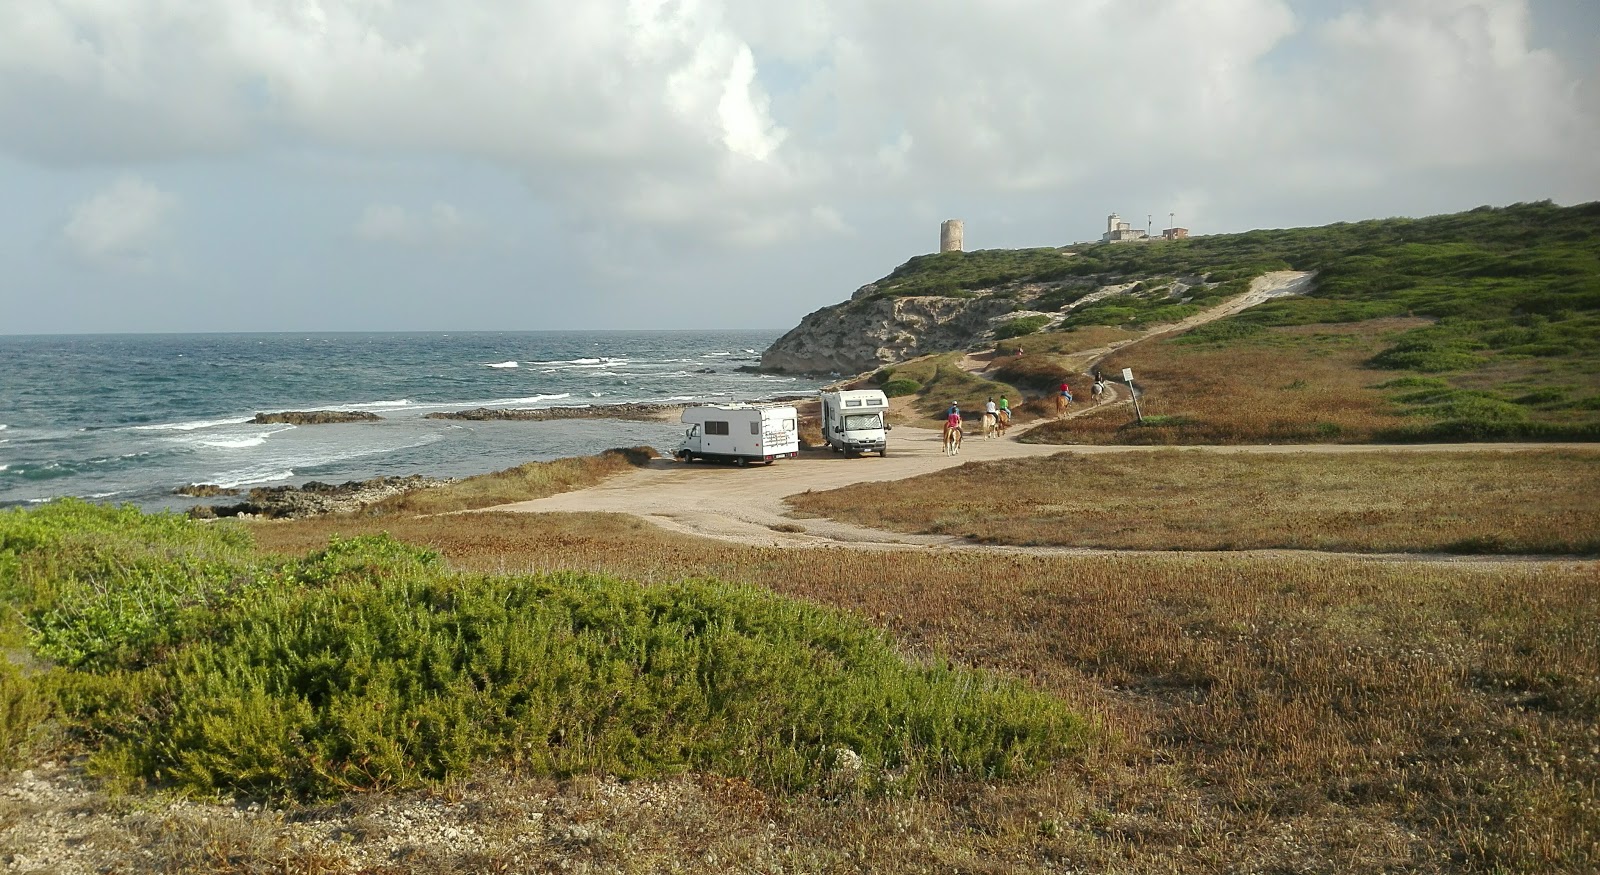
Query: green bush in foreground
(370, 666)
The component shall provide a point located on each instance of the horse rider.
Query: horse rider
(952, 422)
(990, 409)
(1005, 410)
(1066, 391)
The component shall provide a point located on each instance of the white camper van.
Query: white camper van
(852, 421)
(739, 433)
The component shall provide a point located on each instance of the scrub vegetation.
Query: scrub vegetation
(180, 662)
(522, 483)
(1495, 311)
(1248, 714)
(1255, 714)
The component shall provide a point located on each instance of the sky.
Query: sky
(421, 165)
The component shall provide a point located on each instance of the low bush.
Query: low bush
(369, 665)
(896, 388)
(1020, 326)
(1427, 355)
(1037, 372)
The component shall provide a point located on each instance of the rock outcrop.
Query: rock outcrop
(874, 329)
(314, 417)
(637, 411)
(870, 331)
(315, 498)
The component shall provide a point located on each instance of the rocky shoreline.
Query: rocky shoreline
(312, 499)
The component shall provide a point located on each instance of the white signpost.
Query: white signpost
(1127, 377)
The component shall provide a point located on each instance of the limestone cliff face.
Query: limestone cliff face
(867, 332)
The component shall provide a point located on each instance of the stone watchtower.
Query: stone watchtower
(950, 236)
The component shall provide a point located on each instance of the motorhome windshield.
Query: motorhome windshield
(860, 421)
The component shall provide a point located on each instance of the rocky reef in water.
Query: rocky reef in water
(542, 414)
(314, 417)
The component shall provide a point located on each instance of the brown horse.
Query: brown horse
(952, 440)
(1005, 421)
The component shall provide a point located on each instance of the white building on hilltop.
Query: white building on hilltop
(1118, 231)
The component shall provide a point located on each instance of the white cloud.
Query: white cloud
(717, 123)
(121, 226)
(440, 225)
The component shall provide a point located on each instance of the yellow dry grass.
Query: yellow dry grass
(1259, 714)
(1521, 501)
(1292, 385)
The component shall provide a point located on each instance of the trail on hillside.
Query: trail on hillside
(1270, 285)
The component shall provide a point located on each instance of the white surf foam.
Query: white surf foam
(192, 425)
(714, 354)
(235, 480)
(503, 365)
(229, 441)
(3, 467)
(3, 426)
(235, 443)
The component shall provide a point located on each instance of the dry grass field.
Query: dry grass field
(1292, 385)
(1255, 715)
(1454, 502)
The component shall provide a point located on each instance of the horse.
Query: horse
(1062, 400)
(952, 440)
(1098, 390)
(1004, 421)
(991, 424)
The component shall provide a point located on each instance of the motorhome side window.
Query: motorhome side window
(755, 427)
(716, 427)
(788, 425)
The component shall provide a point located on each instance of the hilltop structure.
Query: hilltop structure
(950, 235)
(1118, 231)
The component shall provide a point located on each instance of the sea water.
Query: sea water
(128, 418)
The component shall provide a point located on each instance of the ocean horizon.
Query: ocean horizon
(128, 418)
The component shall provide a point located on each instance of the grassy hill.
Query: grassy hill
(1476, 325)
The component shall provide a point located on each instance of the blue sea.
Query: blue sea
(128, 418)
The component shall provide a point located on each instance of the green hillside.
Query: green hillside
(1489, 320)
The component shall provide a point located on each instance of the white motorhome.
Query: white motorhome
(739, 433)
(852, 421)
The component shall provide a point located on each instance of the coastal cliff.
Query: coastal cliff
(865, 333)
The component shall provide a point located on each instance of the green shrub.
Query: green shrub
(368, 665)
(23, 708)
(896, 388)
(1429, 356)
(1021, 326)
(1545, 395)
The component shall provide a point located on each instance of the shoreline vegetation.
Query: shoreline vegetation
(352, 693)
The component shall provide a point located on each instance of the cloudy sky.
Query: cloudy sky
(196, 165)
